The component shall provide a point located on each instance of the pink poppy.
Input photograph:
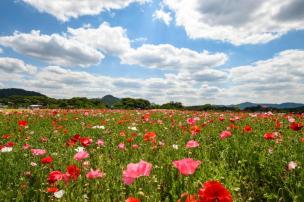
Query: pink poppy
(186, 166)
(38, 152)
(225, 134)
(191, 121)
(93, 174)
(81, 155)
(100, 142)
(136, 170)
(192, 144)
(121, 146)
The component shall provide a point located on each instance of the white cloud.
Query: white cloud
(109, 40)
(13, 65)
(166, 56)
(63, 10)
(238, 22)
(53, 49)
(162, 16)
(285, 67)
(279, 79)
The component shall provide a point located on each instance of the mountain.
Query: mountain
(287, 105)
(4, 93)
(109, 100)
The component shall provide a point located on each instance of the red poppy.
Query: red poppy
(269, 136)
(52, 189)
(146, 117)
(187, 198)
(85, 141)
(22, 123)
(214, 191)
(73, 140)
(6, 136)
(296, 126)
(132, 199)
(73, 172)
(221, 118)
(9, 144)
(46, 160)
(149, 136)
(195, 130)
(54, 176)
(247, 129)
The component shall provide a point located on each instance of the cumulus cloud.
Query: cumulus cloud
(63, 10)
(238, 22)
(166, 56)
(14, 65)
(278, 79)
(109, 40)
(287, 66)
(53, 49)
(162, 16)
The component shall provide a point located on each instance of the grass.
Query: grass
(250, 167)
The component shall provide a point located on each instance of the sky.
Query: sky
(189, 51)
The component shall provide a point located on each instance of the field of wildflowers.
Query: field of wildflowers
(156, 155)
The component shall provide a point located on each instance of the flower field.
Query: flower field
(156, 155)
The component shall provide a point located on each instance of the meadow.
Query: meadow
(150, 155)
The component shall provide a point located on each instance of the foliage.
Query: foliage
(252, 166)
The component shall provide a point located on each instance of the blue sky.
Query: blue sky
(193, 51)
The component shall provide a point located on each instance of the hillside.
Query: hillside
(5, 93)
(287, 105)
(109, 100)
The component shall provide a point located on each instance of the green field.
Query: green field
(252, 166)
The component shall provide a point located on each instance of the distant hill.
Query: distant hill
(109, 100)
(287, 105)
(5, 93)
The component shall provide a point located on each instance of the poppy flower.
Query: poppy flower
(81, 155)
(26, 146)
(247, 129)
(100, 142)
(73, 172)
(146, 117)
(186, 166)
(22, 123)
(214, 191)
(52, 189)
(46, 160)
(85, 141)
(6, 136)
(292, 165)
(221, 118)
(192, 144)
(191, 121)
(132, 199)
(269, 136)
(9, 144)
(121, 146)
(296, 126)
(59, 194)
(149, 136)
(136, 170)
(55, 176)
(38, 152)
(185, 197)
(195, 130)
(225, 134)
(93, 174)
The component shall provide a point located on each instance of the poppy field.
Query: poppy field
(150, 155)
